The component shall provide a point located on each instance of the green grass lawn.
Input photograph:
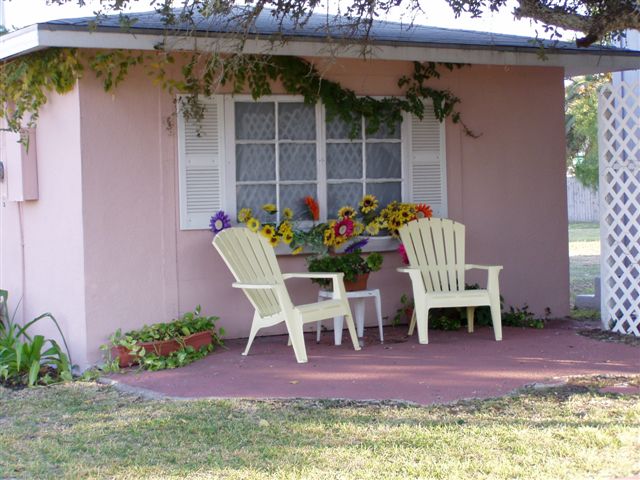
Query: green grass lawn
(83, 430)
(584, 257)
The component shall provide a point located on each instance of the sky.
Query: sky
(20, 13)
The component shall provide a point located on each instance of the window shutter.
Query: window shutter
(428, 162)
(201, 160)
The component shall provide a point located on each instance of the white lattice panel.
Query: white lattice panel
(619, 149)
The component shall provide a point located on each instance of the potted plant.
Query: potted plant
(356, 268)
(192, 331)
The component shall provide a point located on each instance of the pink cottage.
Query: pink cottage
(104, 220)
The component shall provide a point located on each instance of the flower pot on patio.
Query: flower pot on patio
(161, 348)
(359, 283)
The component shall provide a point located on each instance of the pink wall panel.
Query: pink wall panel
(108, 206)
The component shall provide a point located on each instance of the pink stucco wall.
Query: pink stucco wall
(507, 186)
(52, 229)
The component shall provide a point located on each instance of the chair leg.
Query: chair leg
(471, 311)
(352, 328)
(379, 315)
(412, 324)
(296, 337)
(254, 330)
(421, 312)
(496, 318)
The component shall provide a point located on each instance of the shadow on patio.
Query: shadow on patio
(453, 366)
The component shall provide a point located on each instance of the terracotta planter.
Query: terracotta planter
(360, 283)
(161, 347)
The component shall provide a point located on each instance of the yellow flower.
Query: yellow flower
(287, 237)
(358, 228)
(245, 215)
(346, 212)
(368, 204)
(296, 251)
(253, 224)
(268, 231)
(285, 227)
(329, 237)
(269, 208)
(274, 240)
(287, 213)
(373, 228)
(339, 240)
(395, 222)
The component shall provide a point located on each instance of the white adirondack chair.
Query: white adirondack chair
(435, 248)
(253, 263)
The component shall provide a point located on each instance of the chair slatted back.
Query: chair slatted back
(252, 260)
(436, 247)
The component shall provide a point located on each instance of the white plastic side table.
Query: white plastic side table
(358, 298)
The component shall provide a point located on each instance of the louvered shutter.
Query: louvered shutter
(201, 160)
(428, 163)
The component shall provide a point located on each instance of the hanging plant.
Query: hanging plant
(26, 81)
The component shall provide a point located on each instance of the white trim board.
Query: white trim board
(41, 36)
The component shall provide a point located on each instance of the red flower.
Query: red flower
(344, 228)
(314, 209)
(403, 254)
(423, 211)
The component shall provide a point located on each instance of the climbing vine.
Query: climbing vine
(25, 82)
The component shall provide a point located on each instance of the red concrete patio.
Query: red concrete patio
(455, 365)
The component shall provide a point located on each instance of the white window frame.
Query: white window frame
(321, 153)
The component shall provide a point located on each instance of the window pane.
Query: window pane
(254, 196)
(255, 121)
(385, 192)
(384, 160)
(296, 121)
(298, 161)
(337, 129)
(385, 132)
(292, 196)
(255, 162)
(344, 160)
(341, 194)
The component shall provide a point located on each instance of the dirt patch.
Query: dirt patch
(608, 336)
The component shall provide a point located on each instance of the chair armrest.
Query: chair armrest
(287, 276)
(483, 267)
(254, 286)
(407, 269)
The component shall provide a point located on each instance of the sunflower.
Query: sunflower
(274, 240)
(339, 240)
(406, 214)
(287, 237)
(329, 237)
(358, 228)
(244, 215)
(253, 224)
(268, 231)
(395, 222)
(423, 211)
(287, 213)
(296, 251)
(269, 208)
(368, 204)
(373, 228)
(285, 227)
(346, 212)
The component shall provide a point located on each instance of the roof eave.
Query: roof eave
(43, 36)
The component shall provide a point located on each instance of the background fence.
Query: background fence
(582, 202)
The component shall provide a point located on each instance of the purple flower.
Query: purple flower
(219, 222)
(356, 245)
